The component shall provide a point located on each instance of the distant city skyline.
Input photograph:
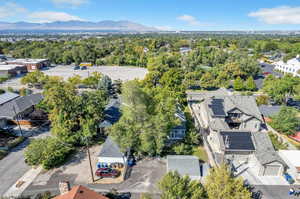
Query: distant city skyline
(187, 15)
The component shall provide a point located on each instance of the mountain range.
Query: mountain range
(107, 25)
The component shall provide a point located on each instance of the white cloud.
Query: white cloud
(164, 28)
(189, 19)
(11, 9)
(73, 3)
(278, 15)
(49, 16)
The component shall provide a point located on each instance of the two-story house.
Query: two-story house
(231, 125)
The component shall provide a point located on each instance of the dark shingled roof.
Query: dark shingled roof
(20, 104)
(110, 149)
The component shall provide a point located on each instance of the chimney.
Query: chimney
(64, 187)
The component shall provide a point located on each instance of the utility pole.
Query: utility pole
(17, 120)
(89, 156)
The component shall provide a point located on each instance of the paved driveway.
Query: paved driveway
(143, 177)
(276, 191)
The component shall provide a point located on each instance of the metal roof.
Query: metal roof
(6, 97)
(184, 165)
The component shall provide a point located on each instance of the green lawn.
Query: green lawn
(200, 153)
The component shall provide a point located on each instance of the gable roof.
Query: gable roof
(265, 152)
(221, 101)
(219, 106)
(6, 97)
(110, 149)
(20, 104)
(81, 192)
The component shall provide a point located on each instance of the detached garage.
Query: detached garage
(111, 155)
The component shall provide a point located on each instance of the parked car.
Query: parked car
(107, 173)
(83, 68)
(76, 67)
(288, 178)
(256, 195)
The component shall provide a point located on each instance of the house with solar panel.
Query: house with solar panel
(231, 126)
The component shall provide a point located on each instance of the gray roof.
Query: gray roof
(110, 149)
(218, 124)
(222, 101)
(184, 165)
(6, 97)
(105, 124)
(265, 152)
(268, 110)
(199, 96)
(20, 104)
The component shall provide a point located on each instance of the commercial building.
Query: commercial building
(292, 66)
(31, 64)
(11, 70)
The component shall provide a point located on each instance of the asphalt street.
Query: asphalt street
(277, 191)
(12, 167)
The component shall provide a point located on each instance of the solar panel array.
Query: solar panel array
(217, 107)
(238, 140)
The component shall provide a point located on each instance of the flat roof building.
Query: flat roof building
(185, 165)
(7, 70)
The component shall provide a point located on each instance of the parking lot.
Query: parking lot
(123, 73)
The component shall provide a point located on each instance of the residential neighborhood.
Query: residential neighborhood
(121, 110)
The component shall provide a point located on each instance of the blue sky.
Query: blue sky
(163, 14)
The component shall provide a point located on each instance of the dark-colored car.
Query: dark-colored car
(107, 173)
(83, 68)
(76, 67)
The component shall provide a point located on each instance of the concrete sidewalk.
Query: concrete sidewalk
(17, 189)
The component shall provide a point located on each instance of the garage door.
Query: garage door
(272, 170)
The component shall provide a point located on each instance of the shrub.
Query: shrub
(15, 142)
(278, 145)
(3, 153)
(48, 152)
